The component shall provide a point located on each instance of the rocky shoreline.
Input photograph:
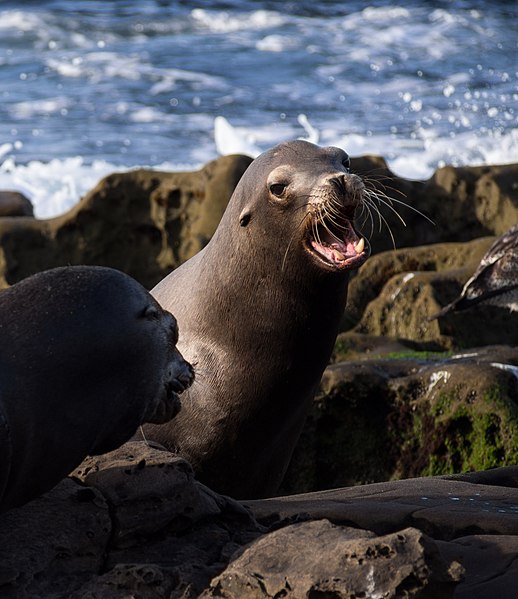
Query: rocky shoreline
(404, 398)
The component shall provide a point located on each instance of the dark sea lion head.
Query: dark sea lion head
(133, 351)
(313, 189)
(86, 356)
(95, 342)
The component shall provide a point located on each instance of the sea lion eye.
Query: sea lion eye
(346, 163)
(151, 312)
(278, 189)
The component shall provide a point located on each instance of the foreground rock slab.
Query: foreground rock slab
(320, 559)
(136, 524)
(473, 519)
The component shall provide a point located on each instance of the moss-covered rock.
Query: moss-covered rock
(456, 417)
(414, 414)
(459, 260)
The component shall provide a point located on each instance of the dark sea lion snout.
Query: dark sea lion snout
(178, 374)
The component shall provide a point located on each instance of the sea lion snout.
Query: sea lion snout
(181, 373)
(347, 187)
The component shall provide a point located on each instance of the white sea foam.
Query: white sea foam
(233, 140)
(148, 84)
(226, 22)
(19, 20)
(28, 109)
(56, 186)
(53, 193)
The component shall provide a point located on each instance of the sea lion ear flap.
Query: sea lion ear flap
(244, 217)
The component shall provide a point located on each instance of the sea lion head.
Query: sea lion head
(313, 189)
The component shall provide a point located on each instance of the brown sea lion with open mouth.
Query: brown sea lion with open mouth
(259, 309)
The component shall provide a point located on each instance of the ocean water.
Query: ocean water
(89, 87)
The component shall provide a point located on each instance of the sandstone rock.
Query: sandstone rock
(142, 222)
(149, 489)
(146, 222)
(14, 203)
(464, 203)
(395, 293)
(53, 543)
(401, 538)
(459, 260)
(144, 528)
(319, 559)
(403, 309)
(418, 414)
(473, 519)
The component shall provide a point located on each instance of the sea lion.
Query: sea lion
(495, 280)
(259, 309)
(86, 356)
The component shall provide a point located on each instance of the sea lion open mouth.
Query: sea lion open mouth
(331, 234)
(338, 245)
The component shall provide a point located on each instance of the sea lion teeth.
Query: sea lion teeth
(360, 246)
(339, 255)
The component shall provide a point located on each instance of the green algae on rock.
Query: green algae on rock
(388, 418)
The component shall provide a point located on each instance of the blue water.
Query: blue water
(87, 87)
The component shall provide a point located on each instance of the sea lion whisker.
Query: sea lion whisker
(389, 200)
(371, 220)
(375, 186)
(372, 206)
(381, 200)
(283, 264)
(388, 226)
(365, 214)
(410, 207)
(326, 227)
(332, 214)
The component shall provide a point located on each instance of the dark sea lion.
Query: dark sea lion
(495, 280)
(259, 309)
(86, 356)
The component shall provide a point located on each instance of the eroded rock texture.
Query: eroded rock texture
(142, 222)
(135, 523)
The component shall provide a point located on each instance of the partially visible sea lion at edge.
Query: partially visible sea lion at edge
(86, 356)
(259, 309)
